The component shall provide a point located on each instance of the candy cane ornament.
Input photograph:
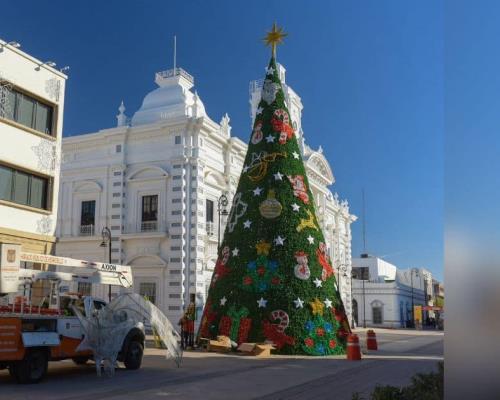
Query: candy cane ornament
(282, 317)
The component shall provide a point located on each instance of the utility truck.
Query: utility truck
(31, 335)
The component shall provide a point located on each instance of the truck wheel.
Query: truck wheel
(32, 368)
(82, 360)
(133, 358)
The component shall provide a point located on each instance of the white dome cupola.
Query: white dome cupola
(173, 98)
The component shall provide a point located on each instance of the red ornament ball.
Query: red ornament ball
(247, 280)
(261, 271)
(309, 342)
(332, 343)
(275, 281)
(320, 331)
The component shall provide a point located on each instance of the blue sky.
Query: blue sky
(370, 74)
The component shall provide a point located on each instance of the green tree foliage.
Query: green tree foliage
(273, 279)
(423, 387)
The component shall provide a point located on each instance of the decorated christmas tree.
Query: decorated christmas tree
(273, 280)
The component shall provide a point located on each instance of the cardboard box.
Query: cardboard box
(263, 350)
(222, 344)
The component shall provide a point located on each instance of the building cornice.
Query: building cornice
(27, 235)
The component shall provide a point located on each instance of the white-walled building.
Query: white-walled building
(155, 182)
(31, 120)
(383, 295)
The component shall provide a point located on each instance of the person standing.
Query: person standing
(183, 323)
(190, 316)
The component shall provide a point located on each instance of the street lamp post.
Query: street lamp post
(364, 304)
(412, 296)
(364, 271)
(106, 241)
(352, 302)
(221, 210)
(359, 273)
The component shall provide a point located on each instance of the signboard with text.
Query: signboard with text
(9, 267)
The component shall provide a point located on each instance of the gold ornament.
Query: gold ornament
(317, 307)
(307, 223)
(263, 247)
(275, 37)
(270, 207)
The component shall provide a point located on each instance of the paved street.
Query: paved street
(214, 376)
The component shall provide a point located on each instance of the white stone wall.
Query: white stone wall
(378, 268)
(395, 300)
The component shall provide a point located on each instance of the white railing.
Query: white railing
(169, 73)
(210, 228)
(149, 226)
(211, 249)
(87, 230)
(145, 227)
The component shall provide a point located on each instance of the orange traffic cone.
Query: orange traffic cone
(371, 340)
(353, 350)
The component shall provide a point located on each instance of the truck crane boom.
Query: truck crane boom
(68, 269)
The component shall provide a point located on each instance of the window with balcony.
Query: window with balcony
(149, 218)
(87, 218)
(23, 188)
(28, 111)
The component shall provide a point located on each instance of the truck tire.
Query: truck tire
(133, 357)
(82, 360)
(32, 368)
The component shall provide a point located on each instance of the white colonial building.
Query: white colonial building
(155, 181)
(383, 295)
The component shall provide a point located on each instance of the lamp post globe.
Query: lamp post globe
(222, 204)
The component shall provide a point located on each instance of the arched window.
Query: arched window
(377, 312)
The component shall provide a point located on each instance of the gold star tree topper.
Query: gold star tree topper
(275, 37)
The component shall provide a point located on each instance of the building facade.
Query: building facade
(155, 181)
(384, 296)
(438, 292)
(31, 119)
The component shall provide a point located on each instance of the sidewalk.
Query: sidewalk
(405, 331)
